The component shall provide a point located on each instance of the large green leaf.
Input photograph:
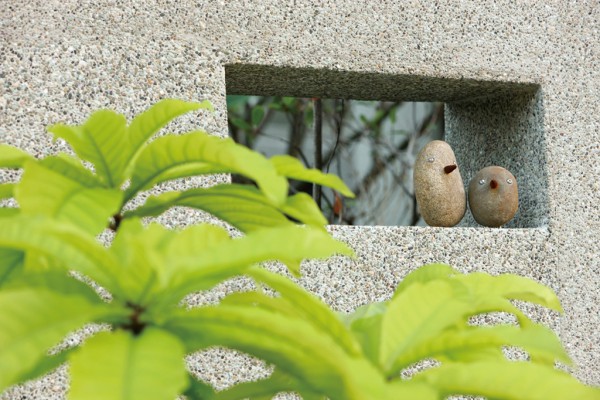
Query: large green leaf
(31, 322)
(151, 256)
(308, 307)
(295, 346)
(504, 380)
(228, 258)
(11, 261)
(59, 281)
(292, 168)
(12, 157)
(198, 390)
(242, 206)
(43, 191)
(193, 241)
(46, 365)
(303, 208)
(198, 153)
(420, 313)
(262, 300)
(6, 190)
(365, 324)
(510, 286)
(457, 345)
(140, 252)
(101, 140)
(121, 366)
(74, 248)
(146, 124)
(425, 274)
(106, 141)
(71, 168)
(267, 389)
(8, 212)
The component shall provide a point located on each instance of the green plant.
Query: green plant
(55, 277)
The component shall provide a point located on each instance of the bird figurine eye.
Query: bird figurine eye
(509, 181)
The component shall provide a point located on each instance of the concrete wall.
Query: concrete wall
(520, 78)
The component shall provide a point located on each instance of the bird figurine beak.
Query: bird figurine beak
(450, 168)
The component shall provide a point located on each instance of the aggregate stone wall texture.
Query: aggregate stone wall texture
(521, 79)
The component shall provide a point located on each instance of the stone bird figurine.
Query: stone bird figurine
(439, 188)
(493, 196)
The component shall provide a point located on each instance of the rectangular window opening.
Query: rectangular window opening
(374, 125)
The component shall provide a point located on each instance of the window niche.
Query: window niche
(486, 122)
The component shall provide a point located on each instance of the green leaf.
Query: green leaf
(290, 244)
(13, 157)
(118, 365)
(148, 123)
(34, 320)
(258, 113)
(276, 106)
(150, 258)
(420, 313)
(73, 247)
(198, 390)
(292, 168)
(512, 287)
(242, 206)
(45, 192)
(241, 123)
(11, 261)
(195, 240)
(71, 168)
(504, 380)
(101, 140)
(198, 153)
(46, 365)
(295, 346)
(303, 208)
(139, 251)
(289, 101)
(425, 274)
(236, 100)
(6, 190)
(308, 307)
(267, 389)
(58, 281)
(8, 212)
(460, 345)
(365, 324)
(261, 300)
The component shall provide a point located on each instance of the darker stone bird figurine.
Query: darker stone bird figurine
(439, 188)
(493, 196)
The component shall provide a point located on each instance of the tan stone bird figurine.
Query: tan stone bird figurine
(439, 188)
(493, 196)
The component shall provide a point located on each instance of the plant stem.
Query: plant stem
(318, 126)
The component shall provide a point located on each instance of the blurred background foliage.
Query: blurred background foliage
(371, 145)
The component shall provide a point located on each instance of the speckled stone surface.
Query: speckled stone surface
(520, 78)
